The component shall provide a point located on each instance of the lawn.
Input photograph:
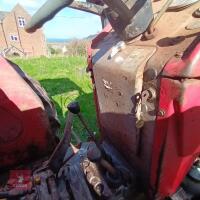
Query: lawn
(65, 80)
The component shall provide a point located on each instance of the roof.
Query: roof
(2, 15)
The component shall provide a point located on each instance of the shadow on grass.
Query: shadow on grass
(65, 91)
(59, 86)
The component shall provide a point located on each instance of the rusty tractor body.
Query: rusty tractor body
(145, 71)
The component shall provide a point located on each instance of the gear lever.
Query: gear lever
(74, 108)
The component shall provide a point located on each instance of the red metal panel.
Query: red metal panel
(187, 67)
(24, 127)
(20, 179)
(177, 138)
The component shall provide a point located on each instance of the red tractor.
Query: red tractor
(145, 69)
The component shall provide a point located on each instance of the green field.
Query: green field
(65, 80)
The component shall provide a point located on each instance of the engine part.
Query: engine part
(77, 179)
(192, 181)
(94, 178)
(94, 155)
(180, 195)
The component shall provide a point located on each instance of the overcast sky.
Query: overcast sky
(68, 23)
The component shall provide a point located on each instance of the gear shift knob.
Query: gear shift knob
(74, 107)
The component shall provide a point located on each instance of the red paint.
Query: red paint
(177, 138)
(24, 125)
(20, 180)
(186, 67)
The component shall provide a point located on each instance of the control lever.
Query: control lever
(74, 108)
(56, 159)
(77, 138)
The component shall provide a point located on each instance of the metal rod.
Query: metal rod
(108, 166)
(77, 138)
(90, 132)
(160, 14)
(87, 7)
(56, 159)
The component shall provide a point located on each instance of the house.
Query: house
(13, 38)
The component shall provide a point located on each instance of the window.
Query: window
(14, 38)
(21, 21)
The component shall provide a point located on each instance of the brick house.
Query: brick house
(13, 38)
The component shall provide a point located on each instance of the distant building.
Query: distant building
(13, 38)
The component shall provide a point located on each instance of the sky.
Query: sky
(67, 24)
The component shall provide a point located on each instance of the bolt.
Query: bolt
(150, 74)
(161, 113)
(37, 180)
(99, 188)
(178, 54)
(197, 13)
(86, 163)
(139, 123)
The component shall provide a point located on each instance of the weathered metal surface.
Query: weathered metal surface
(180, 4)
(151, 31)
(118, 81)
(46, 13)
(172, 37)
(117, 123)
(25, 129)
(128, 88)
(87, 7)
(129, 18)
(42, 94)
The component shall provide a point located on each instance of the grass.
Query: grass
(65, 80)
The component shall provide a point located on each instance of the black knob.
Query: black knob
(74, 107)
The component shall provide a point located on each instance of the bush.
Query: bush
(77, 48)
(52, 51)
(73, 48)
